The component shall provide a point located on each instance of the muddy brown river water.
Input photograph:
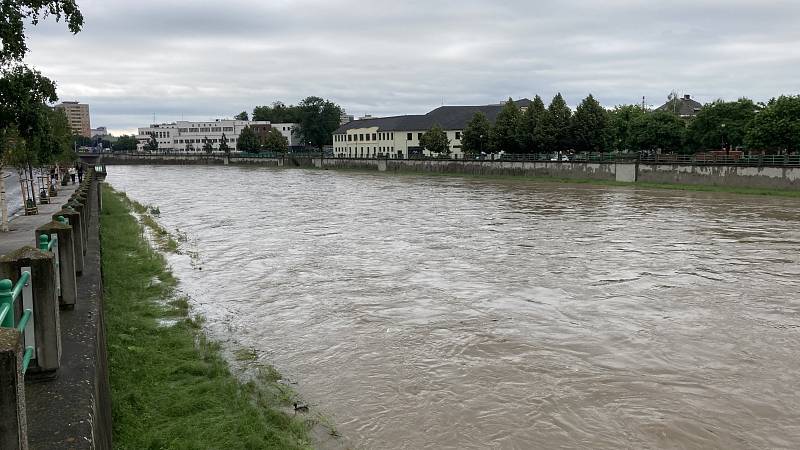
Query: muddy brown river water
(449, 312)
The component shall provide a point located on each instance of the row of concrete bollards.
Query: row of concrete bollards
(51, 285)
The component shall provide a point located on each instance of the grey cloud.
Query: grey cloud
(209, 59)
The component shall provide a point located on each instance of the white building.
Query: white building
(99, 131)
(398, 136)
(190, 136)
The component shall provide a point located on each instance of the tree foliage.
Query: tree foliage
(319, 119)
(721, 123)
(278, 113)
(777, 126)
(476, 135)
(208, 147)
(620, 132)
(589, 126)
(435, 141)
(14, 14)
(504, 135)
(558, 124)
(152, 145)
(241, 116)
(248, 140)
(223, 144)
(276, 142)
(659, 130)
(125, 143)
(533, 133)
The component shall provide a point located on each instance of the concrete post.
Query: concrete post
(77, 236)
(45, 304)
(99, 197)
(13, 423)
(66, 261)
(80, 208)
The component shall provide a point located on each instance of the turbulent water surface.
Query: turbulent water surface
(447, 312)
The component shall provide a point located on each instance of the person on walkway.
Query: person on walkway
(80, 172)
(72, 173)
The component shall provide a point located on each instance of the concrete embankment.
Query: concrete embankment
(732, 176)
(63, 398)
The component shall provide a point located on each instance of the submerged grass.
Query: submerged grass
(170, 386)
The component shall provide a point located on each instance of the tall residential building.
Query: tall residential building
(77, 116)
(190, 136)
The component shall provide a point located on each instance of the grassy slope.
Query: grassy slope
(170, 386)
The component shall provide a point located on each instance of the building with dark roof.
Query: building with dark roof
(684, 107)
(399, 136)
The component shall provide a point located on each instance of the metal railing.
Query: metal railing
(9, 293)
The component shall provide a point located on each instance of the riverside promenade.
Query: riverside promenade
(69, 408)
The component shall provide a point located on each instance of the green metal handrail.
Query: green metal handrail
(9, 292)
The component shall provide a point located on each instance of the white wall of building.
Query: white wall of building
(191, 135)
(368, 142)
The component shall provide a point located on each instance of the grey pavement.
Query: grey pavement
(13, 193)
(21, 227)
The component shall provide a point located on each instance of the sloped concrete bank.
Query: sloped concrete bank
(773, 177)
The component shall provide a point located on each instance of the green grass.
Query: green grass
(171, 389)
(529, 179)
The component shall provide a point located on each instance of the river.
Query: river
(448, 312)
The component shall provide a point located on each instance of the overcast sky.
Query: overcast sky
(203, 60)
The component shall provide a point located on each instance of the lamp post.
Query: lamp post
(481, 140)
(724, 145)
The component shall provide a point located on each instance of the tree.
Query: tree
(319, 119)
(152, 145)
(125, 143)
(223, 145)
(14, 14)
(721, 123)
(621, 119)
(248, 140)
(241, 116)
(208, 147)
(659, 130)
(558, 123)
(504, 135)
(435, 141)
(533, 134)
(777, 126)
(276, 142)
(476, 135)
(277, 113)
(589, 126)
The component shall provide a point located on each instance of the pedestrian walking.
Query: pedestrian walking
(72, 173)
(80, 173)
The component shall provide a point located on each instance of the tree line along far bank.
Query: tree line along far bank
(743, 124)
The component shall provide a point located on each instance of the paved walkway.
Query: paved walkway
(21, 227)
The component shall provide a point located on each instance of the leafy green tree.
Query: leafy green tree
(504, 135)
(659, 130)
(248, 140)
(533, 132)
(319, 119)
(152, 145)
(124, 143)
(721, 123)
(223, 145)
(14, 14)
(589, 125)
(558, 123)
(276, 142)
(278, 113)
(621, 119)
(476, 135)
(777, 126)
(435, 141)
(241, 116)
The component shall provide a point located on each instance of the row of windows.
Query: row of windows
(201, 141)
(374, 150)
(377, 136)
(205, 130)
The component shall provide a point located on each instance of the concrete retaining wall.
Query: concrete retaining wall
(731, 176)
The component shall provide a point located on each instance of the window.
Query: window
(360, 137)
(408, 136)
(419, 136)
(349, 137)
(192, 130)
(227, 128)
(374, 137)
(458, 135)
(216, 130)
(205, 130)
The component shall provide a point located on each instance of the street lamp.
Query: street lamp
(724, 146)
